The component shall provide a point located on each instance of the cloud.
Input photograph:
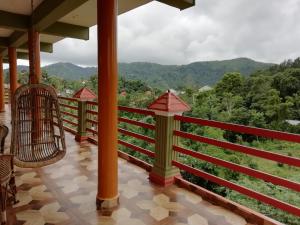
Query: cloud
(213, 30)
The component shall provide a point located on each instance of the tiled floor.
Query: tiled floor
(64, 193)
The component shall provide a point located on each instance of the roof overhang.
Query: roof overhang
(56, 20)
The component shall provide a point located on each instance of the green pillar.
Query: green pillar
(81, 129)
(165, 108)
(163, 172)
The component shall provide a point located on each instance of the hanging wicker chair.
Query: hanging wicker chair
(37, 132)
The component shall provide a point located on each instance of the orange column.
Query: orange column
(13, 76)
(34, 56)
(2, 93)
(107, 197)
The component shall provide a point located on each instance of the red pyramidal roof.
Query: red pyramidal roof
(169, 102)
(85, 93)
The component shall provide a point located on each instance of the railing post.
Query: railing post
(165, 107)
(81, 129)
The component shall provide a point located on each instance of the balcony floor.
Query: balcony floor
(64, 193)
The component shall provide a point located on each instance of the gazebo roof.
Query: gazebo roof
(85, 93)
(169, 102)
(56, 20)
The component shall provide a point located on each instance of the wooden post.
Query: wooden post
(107, 197)
(2, 93)
(34, 56)
(12, 58)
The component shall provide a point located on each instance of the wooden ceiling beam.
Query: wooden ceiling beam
(67, 30)
(44, 47)
(45, 15)
(14, 21)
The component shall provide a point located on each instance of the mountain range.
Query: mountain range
(163, 76)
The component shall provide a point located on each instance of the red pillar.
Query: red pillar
(107, 197)
(2, 93)
(13, 76)
(34, 56)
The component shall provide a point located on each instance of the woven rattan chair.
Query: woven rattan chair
(37, 132)
(7, 179)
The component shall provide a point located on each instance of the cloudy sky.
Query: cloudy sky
(264, 30)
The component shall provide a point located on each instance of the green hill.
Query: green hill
(164, 76)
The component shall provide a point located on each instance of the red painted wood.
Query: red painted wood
(92, 121)
(92, 103)
(137, 148)
(242, 129)
(92, 112)
(68, 106)
(240, 148)
(136, 110)
(68, 99)
(137, 123)
(235, 167)
(92, 131)
(243, 190)
(136, 135)
(70, 122)
(69, 114)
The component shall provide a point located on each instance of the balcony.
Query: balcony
(64, 193)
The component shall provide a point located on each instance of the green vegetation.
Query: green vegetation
(267, 99)
(162, 76)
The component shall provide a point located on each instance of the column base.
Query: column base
(79, 138)
(106, 206)
(162, 181)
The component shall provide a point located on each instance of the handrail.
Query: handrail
(241, 148)
(235, 167)
(137, 148)
(243, 190)
(136, 110)
(279, 135)
(136, 135)
(69, 114)
(68, 106)
(68, 99)
(137, 123)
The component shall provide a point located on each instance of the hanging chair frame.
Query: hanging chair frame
(37, 138)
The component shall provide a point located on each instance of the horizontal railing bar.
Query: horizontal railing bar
(243, 190)
(68, 106)
(92, 103)
(68, 99)
(137, 123)
(136, 110)
(92, 121)
(72, 131)
(69, 114)
(92, 131)
(235, 167)
(279, 135)
(137, 148)
(136, 135)
(70, 122)
(92, 112)
(240, 148)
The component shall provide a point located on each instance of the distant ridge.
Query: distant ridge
(163, 76)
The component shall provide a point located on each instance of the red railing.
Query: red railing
(69, 113)
(92, 127)
(292, 161)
